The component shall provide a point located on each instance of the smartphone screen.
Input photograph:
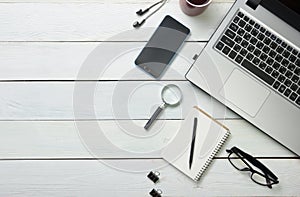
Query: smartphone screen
(162, 46)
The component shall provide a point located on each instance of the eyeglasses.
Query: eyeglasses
(241, 161)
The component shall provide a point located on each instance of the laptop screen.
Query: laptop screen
(287, 10)
(292, 4)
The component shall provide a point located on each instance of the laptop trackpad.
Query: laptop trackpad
(244, 92)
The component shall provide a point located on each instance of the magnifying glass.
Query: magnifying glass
(171, 96)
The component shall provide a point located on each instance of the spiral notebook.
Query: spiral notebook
(209, 138)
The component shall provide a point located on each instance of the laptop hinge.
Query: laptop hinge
(253, 3)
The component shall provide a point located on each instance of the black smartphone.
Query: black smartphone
(162, 46)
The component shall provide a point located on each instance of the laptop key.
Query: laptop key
(263, 56)
(288, 83)
(257, 52)
(298, 101)
(227, 41)
(297, 62)
(289, 48)
(282, 69)
(244, 43)
(272, 54)
(241, 32)
(257, 26)
(276, 65)
(240, 14)
(270, 61)
(260, 36)
(248, 28)
(238, 59)
(232, 54)
(297, 71)
(250, 56)
(282, 88)
(262, 29)
(293, 96)
(256, 61)
(238, 39)
(253, 41)
(275, 74)
(259, 45)
(276, 85)
(247, 36)
(256, 71)
(286, 54)
(292, 58)
(242, 23)
(237, 48)
(295, 78)
(294, 87)
(288, 74)
(236, 19)
(254, 32)
(281, 78)
(220, 45)
(230, 33)
(269, 70)
(273, 37)
(233, 27)
(267, 41)
(262, 65)
(279, 49)
(295, 52)
(283, 44)
(291, 67)
(250, 48)
(278, 41)
(246, 18)
(285, 62)
(278, 58)
(266, 49)
(273, 45)
(287, 92)
(243, 52)
(226, 50)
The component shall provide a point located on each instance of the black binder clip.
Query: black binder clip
(153, 176)
(155, 193)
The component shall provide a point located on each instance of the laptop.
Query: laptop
(252, 65)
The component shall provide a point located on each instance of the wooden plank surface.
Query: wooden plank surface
(105, 100)
(96, 21)
(43, 152)
(63, 60)
(145, 2)
(63, 139)
(91, 178)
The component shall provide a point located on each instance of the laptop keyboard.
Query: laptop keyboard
(265, 55)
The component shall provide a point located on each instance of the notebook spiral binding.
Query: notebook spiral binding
(215, 152)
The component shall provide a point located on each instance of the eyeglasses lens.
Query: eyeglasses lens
(261, 179)
(237, 162)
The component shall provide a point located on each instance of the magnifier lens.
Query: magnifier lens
(171, 95)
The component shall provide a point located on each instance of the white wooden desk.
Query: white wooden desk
(43, 45)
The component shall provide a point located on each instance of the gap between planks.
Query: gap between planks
(129, 158)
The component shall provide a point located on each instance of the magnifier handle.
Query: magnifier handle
(154, 116)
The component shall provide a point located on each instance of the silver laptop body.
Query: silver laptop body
(251, 64)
